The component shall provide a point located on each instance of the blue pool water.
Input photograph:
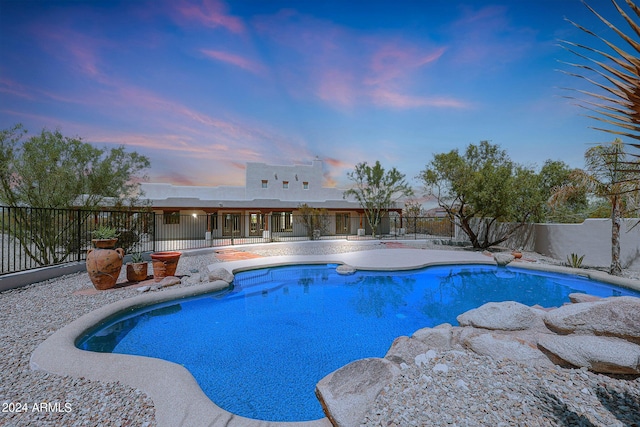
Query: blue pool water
(259, 349)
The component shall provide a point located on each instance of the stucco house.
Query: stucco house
(265, 207)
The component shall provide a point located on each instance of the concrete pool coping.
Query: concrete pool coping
(177, 397)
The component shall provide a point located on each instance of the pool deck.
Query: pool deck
(178, 399)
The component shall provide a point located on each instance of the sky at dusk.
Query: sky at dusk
(202, 87)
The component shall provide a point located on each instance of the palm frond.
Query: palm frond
(616, 74)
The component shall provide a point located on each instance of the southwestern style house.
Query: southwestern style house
(266, 207)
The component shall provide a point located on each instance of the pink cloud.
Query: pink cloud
(388, 98)
(14, 88)
(336, 163)
(344, 68)
(211, 13)
(72, 47)
(392, 62)
(237, 60)
(175, 178)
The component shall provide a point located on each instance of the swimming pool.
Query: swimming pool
(259, 349)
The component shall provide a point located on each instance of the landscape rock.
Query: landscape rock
(503, 259)
(347, 394)
(504, 332)
(424, 359)
(345, 270)
(438, 338)
(577, 298)
(599, 354)
(507, 315)
(220, 274)
(613, 317)
(441, 368)
(194, 278)
(507, 347)
(405, 349)
(168, 281)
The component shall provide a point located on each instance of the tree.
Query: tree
(557, 174)
(614, 73)
(54, 171)
(608, 173)
(377, 190)
(413, 208)
(484, 184)
(42, 174)
(315, 220)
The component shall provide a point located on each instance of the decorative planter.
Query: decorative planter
(164, 264)
(104, 243)
(516, 254)
(104, 265)
(137, 271)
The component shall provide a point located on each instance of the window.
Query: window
(265, 183)
(305, 185)
(171, 217)
(285, 184)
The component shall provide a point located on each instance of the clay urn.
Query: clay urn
(164, 264)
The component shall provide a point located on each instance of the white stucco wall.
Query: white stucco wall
(592, 239)
(295, 176)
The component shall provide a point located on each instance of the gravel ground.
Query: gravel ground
(473, 391)
(464, 389)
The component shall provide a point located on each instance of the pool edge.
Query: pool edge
(177, 397)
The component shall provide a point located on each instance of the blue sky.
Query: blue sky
(202, 87)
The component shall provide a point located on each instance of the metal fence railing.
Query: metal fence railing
(37, 237)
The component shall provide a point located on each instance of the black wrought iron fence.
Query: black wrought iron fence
(38, 237)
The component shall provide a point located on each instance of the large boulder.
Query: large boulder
(405, 349)
(347, 394)
(613, 317)
(438, 337)
(506, 316)
(507, 347)
(599, 354)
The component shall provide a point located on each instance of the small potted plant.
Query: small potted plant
(105, 237)
(104, 262)
(137, 269)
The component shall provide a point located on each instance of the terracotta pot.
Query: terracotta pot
(137, 271)
(516, 254)
(103, 266)
(164, 264)
(105, 243)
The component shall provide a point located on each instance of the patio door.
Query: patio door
(232, 225)
(256, 224)
(343, 225)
